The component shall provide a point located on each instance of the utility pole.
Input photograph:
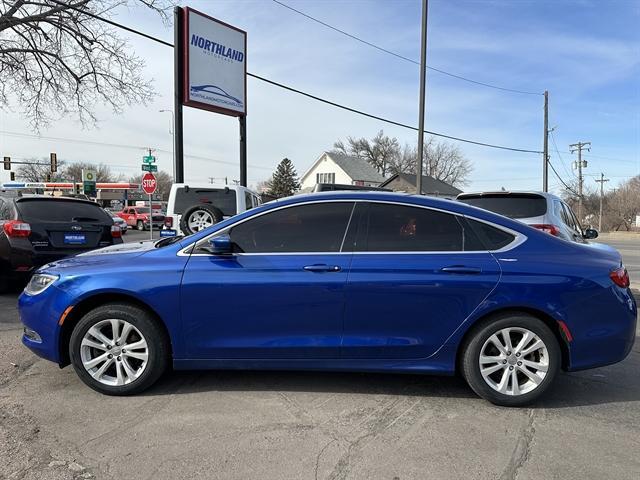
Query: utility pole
(423, 80)
(601, 182)
(545, 149)
(579, 165)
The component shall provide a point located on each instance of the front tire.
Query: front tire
(140, 225)
(511, 360)
(119, 349)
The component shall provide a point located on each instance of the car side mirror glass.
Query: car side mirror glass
(590, 233)
(220, 245)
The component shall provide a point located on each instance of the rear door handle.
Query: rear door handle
(461, 269)
(322, 268)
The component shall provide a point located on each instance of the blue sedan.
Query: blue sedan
(356, 281)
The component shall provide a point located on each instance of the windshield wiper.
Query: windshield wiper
(168, 241)
(84, 219)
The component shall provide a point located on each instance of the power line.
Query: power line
(555, 146)
(401, 57)
(561, 180)
(314, 97)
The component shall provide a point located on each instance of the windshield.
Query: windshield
(142, 210)
(510, 205)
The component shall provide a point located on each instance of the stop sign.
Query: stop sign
(149, 183)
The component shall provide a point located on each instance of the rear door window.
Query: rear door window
(51, 211)
(222, 198)
(509, 205)
(399, 228)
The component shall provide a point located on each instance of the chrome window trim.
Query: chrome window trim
(519, 238)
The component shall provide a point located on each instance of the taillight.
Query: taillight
(168, 222)
(620, 277)
(547, 228)
(16, 228)
(115, 231)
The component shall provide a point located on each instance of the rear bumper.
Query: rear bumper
(603, 329)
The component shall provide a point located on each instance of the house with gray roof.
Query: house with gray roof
(406, 182)
(340, 169)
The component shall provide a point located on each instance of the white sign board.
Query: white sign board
(88, 175)
(215, 65)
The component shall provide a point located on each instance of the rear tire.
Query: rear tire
(124, 363)
(140, 225)
(511, 373)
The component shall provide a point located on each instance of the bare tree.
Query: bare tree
(381, 151)
(73, 172)
(36, 170)
(442, 160)
(57, 59)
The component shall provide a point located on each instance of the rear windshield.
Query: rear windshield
(221, 198)
(511, 205)
(45, 211)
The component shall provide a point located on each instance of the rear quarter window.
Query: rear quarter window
(221, 198)
(512, 206)
(46, 211)
(491, 237)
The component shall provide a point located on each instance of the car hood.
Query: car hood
(115, 253)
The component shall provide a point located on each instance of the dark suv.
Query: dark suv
(39, 229)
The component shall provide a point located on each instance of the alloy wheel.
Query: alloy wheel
(514, 361)
(114, 352)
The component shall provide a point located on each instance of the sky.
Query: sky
(585, 53)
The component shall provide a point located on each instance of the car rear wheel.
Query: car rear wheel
(511, 360)
(140, 225)
(199, 217)
(118, 349)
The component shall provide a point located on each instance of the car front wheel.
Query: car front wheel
(140, 225)
(119, 349)
(511, 360)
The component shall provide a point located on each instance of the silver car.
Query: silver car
(543, 211)
(118, 221)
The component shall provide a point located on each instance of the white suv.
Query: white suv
(194, 206)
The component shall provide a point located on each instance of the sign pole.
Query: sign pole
(150, 217)
(243, 150)
(178, 88)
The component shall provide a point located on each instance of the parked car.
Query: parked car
(142, 218)
(194, 207)
(119, 221)
(38, 229)
(543, 211)
(339, 281)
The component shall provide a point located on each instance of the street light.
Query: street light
(173, 143)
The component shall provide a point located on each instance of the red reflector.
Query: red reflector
(115, 231)
(168, 222)
(16, 228)
(548, 228)
(565, 331)
(620, 277)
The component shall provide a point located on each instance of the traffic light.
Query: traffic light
(77, 188)
(7, 163)
(13, 176)
(54, 162)
(48, 177)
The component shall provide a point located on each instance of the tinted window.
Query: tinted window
(510, 205)
(222, 198)
(141, 210)
(248, 200)
(37, 210)
(318, 227)
(492, 238)
(397, 228)
(6, 212)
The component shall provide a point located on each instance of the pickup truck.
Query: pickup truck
(139, 217)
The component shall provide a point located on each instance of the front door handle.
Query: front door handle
(322, 268)
(461, 269)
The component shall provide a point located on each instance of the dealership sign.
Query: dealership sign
(215, 65)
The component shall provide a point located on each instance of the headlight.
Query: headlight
(39, 283)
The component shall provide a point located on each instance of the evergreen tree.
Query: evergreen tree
(284, 181)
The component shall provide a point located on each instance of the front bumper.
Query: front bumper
(41, 314)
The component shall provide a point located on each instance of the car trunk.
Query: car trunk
(65, 225)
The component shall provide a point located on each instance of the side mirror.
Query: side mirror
(590, 233)
(220, 245)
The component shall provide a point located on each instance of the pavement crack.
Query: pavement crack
(320, 455)
(522, 450)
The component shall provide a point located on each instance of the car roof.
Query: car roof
(220, 186)
(506, 193)
(49, 198)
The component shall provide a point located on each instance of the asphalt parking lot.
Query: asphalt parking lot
(307, 425)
